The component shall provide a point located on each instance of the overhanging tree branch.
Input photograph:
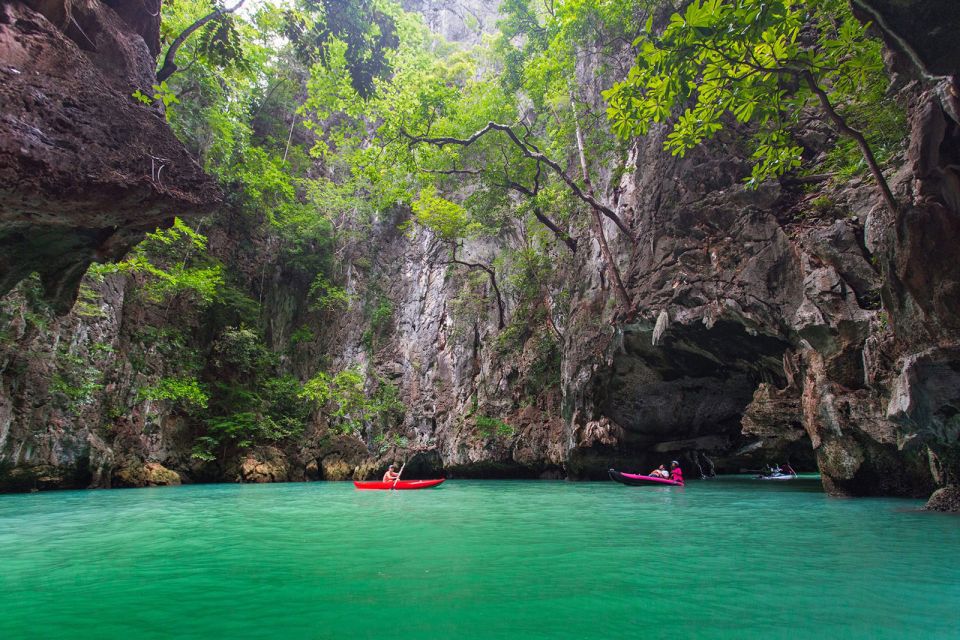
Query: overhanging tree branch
(490, 273)
(170, 59)
(562, 235)
(530, 151)
(850, 132)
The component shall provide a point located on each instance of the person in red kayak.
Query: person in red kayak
(391, 474)
(675, 473)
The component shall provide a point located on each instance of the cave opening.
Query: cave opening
(686, 398)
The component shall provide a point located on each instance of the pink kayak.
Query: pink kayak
(637, 481)
(399, 484)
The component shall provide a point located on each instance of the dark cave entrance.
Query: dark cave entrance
(685, 397)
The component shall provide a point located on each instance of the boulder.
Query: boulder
(334, 467)
(150, 474)
(264, 464)
(945, 499)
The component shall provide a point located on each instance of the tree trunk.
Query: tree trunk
(597, 220)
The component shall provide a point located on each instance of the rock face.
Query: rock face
(85, 169)
(945, 499)
(922, 29)
(266, 464)
(457, 20)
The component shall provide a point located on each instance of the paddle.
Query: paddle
(399, 473)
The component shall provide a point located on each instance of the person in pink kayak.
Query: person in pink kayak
(676, 474)
(660, 472)
(391, 474)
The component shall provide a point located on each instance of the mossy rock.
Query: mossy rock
(334, 467)
(265, 464)
(151, 474)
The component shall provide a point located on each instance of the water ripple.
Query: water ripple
(729, 558)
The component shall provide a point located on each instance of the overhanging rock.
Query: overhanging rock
(85, 169)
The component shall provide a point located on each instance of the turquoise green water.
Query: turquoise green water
(729, 558)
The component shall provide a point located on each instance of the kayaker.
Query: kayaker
(660, 472)
(391, 474)
(675, 473)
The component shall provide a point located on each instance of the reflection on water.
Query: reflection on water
(730, 557)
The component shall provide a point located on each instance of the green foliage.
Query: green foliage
(239, 351)
(493, 427)
(76, 393)
(284, 404)
(142, 97)
(232, 307)
(257, 410)
(381, 321)
(76, 381)
(272, 411)
(157, 345)
(25, 303)
(883, 123)
(88, 304)
(470, 305)
(446, 219)
(161, 94)
(173, 263)
(382, 316)
(343, 398)
(301, 335)
(308, 112)
(326, 296)
(544, 370)
(361, 31)
(186, 392)
(752, 61)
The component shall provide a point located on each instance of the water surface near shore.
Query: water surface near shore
(727, 558)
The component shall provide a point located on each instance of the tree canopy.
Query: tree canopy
(325, 119)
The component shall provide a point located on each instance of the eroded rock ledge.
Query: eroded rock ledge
(85, 169)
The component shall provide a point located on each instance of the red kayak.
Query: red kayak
(634, 480)
(399, 484)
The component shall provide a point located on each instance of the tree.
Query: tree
(448, 119)
(368, 32)
(222, 40)
(349, 407)
(763, 63)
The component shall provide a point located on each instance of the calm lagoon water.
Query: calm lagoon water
(728, 558)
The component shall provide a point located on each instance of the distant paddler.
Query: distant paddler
(660, 472)
(676, 474)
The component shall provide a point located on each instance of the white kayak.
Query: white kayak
(778, 476)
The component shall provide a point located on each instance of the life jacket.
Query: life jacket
(676, 475)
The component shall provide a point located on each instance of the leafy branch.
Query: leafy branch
(531, 151)
(169, 66)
